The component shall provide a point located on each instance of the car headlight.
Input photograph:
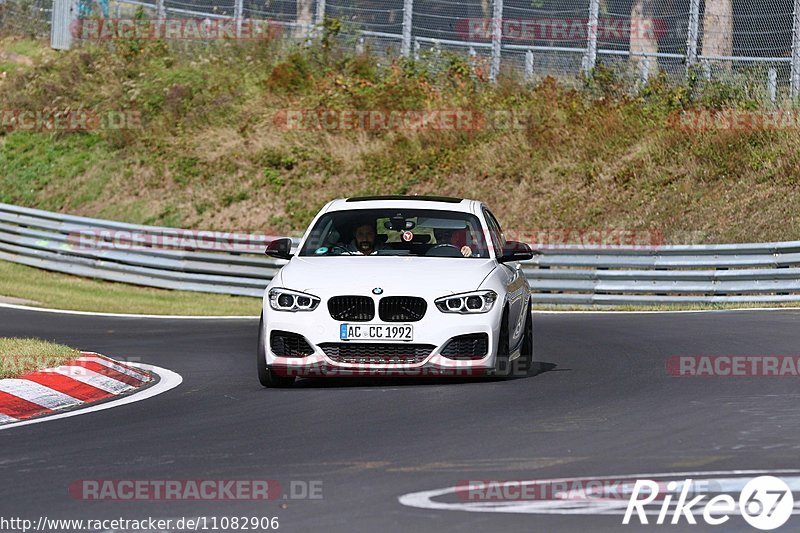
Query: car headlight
(289, 300)
(467, 302)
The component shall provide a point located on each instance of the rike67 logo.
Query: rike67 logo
(765, 502)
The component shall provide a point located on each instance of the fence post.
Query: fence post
(796, 50)
(692, 33)
(529, 65)
(644, 71)
(590, 58)
(62, 18)
(497, 39)
(772, 84)
(238, 12)
(161, 10)
(408, 18)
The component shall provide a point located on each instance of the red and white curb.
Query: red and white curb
(86, 380)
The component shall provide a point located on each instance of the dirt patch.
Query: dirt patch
(11, 57)
(18, 301)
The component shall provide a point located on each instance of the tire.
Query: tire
(266, 376)
(502, 368)
(523, 365)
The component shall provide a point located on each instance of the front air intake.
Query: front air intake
(352, 308)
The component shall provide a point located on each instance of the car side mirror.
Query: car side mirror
(515, 251)
(280, 248)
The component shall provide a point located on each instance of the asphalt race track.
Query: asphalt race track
(603, 404)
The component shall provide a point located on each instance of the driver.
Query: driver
(446, 236)
(364, 240)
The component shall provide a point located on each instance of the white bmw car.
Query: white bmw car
(397, 286)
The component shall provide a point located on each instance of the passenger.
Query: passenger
(453, 237)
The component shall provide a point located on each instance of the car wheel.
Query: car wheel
(266, 376)
(524, 363)
(502, 367)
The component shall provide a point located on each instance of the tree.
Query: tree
(718, 28)
(304, 21)
(643, 35)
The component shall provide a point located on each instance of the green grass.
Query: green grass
(61, 291)
(20, 356)
(211, 156)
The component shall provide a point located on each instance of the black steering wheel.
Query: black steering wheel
(444, 250)
(338, 249)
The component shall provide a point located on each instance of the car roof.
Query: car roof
(406, 202)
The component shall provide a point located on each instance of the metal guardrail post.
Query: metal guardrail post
(795, 77)
(693, 33)
(590, 58)
(497, 39)
(408, 18)
(161, 10)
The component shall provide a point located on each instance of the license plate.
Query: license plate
(376, 332)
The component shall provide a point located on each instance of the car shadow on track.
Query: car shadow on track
(409, 381)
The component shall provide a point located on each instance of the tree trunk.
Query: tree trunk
(718, 29)
(643, 38)
(304, 20)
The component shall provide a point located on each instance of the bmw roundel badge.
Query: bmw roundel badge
(377, 290)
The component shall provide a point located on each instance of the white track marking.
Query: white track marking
(425, 499)
(90, 377)
(38, 394)
(169, 380)
(124, 315)
(6, 418)
(115, 366)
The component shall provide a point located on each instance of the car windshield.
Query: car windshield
(410, 232)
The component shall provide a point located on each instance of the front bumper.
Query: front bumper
(435, 329)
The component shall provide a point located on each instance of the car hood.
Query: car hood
(423, 276)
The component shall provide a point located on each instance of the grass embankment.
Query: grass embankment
(20, 356)
(210, 154)
(62, 291)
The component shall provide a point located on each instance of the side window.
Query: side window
(496, 233)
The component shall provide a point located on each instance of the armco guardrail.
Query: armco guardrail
(234, 263)
(201, 261)
(717, 273)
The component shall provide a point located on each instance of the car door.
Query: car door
(514, 280)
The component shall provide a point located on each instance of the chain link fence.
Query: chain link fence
(26, 18)
(753, 44)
